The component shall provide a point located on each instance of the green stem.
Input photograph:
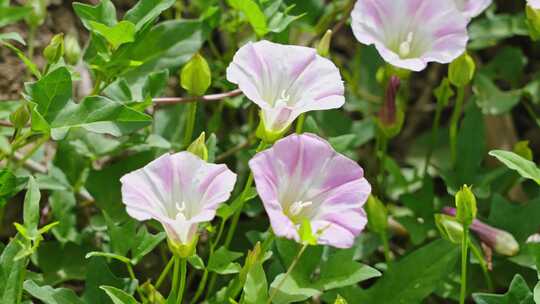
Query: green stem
(288, 273)
(96, 90)
(164, 273)
(434, 134)
(300, 123)
(175, 275)
(454, 120)
(190, 123)
(134, 278)
(382, 147)
(464, 250)
(476, 252)
(183, 275)
(37, 145)
(386, 248)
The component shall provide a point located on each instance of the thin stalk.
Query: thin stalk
(464, 250)
(300, 123)
(386, 248)
(96, 90)
(183, 275)
(164, 273)
(175, 275)
(454, 120)
(483, 265)
(134, 278)
(288, 273)
(190, 123)
(382, 148)
(434, 135)
(38, 144)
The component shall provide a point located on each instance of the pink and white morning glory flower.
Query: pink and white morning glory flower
(285, 81)
(472, 8)
(411, 33)
(180, 191)
(302, 178)
(534, 4)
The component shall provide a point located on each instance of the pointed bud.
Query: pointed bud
(72, 50)
(377, 215)
(465, 206)
(323, 48)
(522, 149)
(20, 117)
(198, 147)
(340, 300)
(499, 240)
(196, 76)
(461, 70)
(390, 117)
(449, 228)
(55, 50)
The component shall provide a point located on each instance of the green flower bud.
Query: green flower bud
(449, 228)
(323, 48)
(340, 300)
(20, 117)
(377, 215)
(533, 20)
(198, 147)
(38, 13)
(465, 206)
(72, 50)
(196, 76)
(522, 149)
(55, 50)
(461, 70)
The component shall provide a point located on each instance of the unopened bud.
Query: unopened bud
(499, 240)
(390, 116)
(323, 48)
(55, 50)
(465, 206)
(377, 215)
(196, 76)
(20, 117)
(449, 228)
(461, 70)
(38, 12)
(72, 50)
(198, 147)
(340, 300)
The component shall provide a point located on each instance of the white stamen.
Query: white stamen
(180, 207)
(405, 46)
(282, 100)
(298, 206)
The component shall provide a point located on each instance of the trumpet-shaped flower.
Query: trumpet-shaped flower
(285, 81)
(180, 191)
(472, 8)
(302, 178)
(534, 4)
(410, 33)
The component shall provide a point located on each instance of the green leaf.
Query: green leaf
(29, 64)
(10, 15)
(104, 12)
(119, 296)
(9, 185)
(491, 99)
(121, 33)
(12, 36)
(99, 276)
(470, 156)
(62, 205)
(54, 111)
(431, 264)
(146, 11)
(524, 167)
(222, 261)
(518, 293)
(144, 243)
(72, 265)
(256, 286)
(31, 207)
(49, 295)
(118, 257)
(11, 271)
(278, 21)
(509, 216)
(253, 13)
(487, 32)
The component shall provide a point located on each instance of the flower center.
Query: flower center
(405, 46)
(296, 208)
(283, 100)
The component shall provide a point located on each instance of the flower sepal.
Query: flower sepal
(183, 250)
(449, 228)
(267, 134)
(306, 233)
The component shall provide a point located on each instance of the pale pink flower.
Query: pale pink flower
(302, 178)
(411, 33)
(472, 8)
(180, 191)
(285, 81)
(534, 4)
